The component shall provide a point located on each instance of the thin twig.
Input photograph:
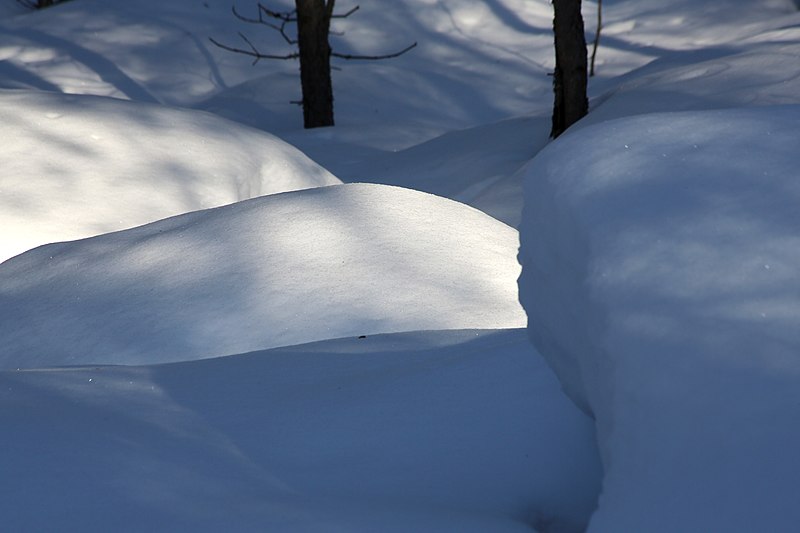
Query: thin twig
(288, 16)
(345, 15)
(285, 18)
(385, 56)
(253, 52)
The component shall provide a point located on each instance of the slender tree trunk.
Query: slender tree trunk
(313, 24)
(570, 77)
(597, 31)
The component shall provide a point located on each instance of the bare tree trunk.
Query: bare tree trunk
(313, 19)
(570, 77)
(596, 36)
(313, 25)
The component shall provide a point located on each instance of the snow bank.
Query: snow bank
(273, 271)
(422, 431)
(760, 74)
(660, 278)
(77, 166)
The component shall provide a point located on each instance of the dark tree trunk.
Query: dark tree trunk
(570, 77)
(313, 24)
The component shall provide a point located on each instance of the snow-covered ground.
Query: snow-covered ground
(667, 298)
(278, 270)
(74, 167)
(424, 431)
(659, 252)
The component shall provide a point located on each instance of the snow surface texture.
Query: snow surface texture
(369, 434)
(359, 444)
(278, 270)
(660, 278)
(77, 166)
(157, 51)
(758, 74)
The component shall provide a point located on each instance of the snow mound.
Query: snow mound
(422, 431)
(660, 278)
(274, 271)
(713, 78)
(77, 166)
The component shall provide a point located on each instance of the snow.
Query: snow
(759, 74)
(104, 164)
(355, 434)
(660, 259)
(162, 212)
(322, 263)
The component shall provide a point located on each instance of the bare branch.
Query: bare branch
(385, 56)
(345, 15)
(253, 52)
(285, 18)
(288, 16)
(264, 14)
(342, 16)
(282, 30)
(246, 19)
(286, 38)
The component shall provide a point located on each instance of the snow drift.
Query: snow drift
(273, 271)
(660, 278)
(77, 166)
(422, 431)
(761, 74)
